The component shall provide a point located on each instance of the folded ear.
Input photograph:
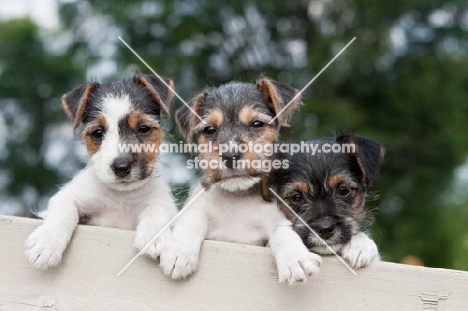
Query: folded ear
(160, 91)
(264, 189)
(185, 117)
(282, 98)
(75, 102)
(367, 153)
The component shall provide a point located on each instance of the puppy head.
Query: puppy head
(328, 190)
(120, 126)
(236, 115)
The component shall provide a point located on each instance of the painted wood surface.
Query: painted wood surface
(230, 277)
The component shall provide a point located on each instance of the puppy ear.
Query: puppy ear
(75, 102)
(368, 154)
(187, 120)
(264, 189)
(159, 91)
(278, 96)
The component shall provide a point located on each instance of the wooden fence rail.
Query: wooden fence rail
(230, 277)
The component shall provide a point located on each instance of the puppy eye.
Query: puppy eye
(97, 134)
(144, 129)
(343, 191)
(209, 130)
(257, 124)
(296, 198)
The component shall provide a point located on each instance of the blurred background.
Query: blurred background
(404, 82)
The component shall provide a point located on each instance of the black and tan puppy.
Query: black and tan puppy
(328, 191)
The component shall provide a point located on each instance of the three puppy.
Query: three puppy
(124, 190)
(116, 189)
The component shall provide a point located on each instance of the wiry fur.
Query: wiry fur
(328, 191)
(228, 102)
(232, 208)
(133, 196)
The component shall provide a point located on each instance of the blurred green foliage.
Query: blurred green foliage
(404, 81)
(32, 81)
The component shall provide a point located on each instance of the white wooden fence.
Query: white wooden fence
(230, 277)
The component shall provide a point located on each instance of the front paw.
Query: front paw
(144, 235)
(45, 246)
(179, 259)
(360, 251)
(297, 266)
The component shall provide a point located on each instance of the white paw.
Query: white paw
(145, 233)
(45, 246)
(179, 259)
(297, 266)
(360, 251)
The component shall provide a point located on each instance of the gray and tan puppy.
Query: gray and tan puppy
(232, 208)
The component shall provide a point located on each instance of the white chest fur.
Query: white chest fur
(238, 217)
(108, 207)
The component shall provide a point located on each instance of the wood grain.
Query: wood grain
(230, 277)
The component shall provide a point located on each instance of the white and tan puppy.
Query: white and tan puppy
(118, 188)
(232, 208)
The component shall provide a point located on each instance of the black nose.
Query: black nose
(230, 157)
(326, 230)
(122, 167)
